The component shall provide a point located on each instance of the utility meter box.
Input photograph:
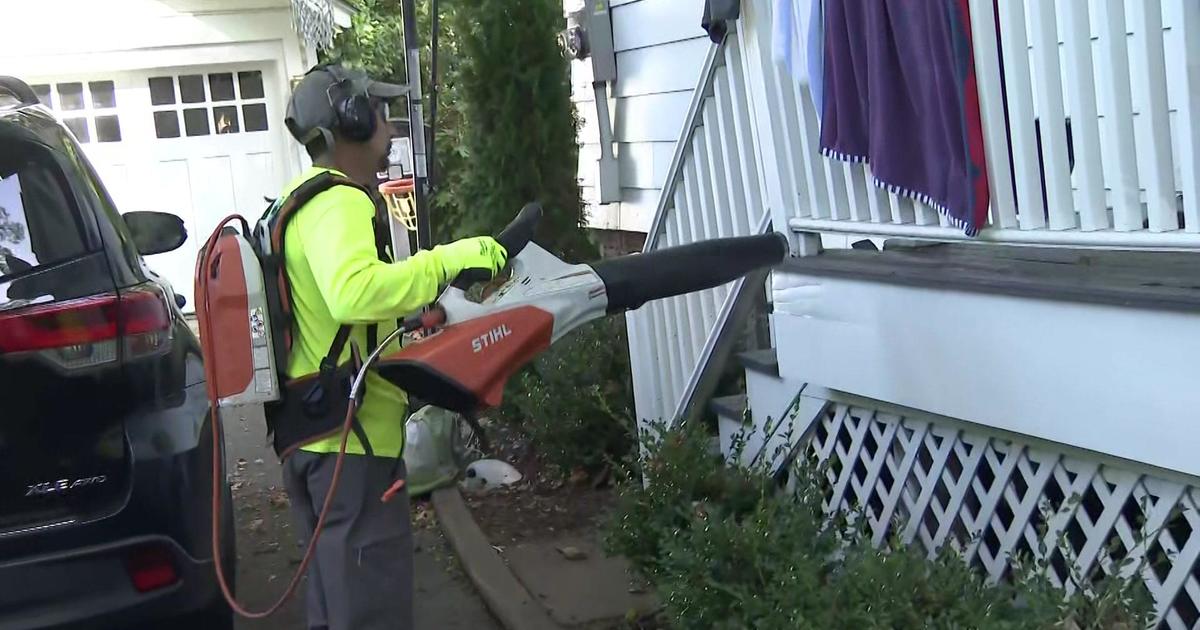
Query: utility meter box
(589, 35)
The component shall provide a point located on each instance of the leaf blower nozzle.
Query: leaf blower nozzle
(635, 279)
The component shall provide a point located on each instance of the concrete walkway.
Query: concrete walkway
(566, 583)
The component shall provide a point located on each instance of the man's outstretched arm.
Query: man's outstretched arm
(358, 287)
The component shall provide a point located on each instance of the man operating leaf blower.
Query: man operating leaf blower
(298, 315)
(344, 288)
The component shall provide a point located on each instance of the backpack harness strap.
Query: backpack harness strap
(275, 264)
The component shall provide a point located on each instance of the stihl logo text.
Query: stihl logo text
(490, 338)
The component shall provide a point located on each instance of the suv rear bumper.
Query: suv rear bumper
(90, 587)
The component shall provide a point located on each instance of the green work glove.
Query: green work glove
(479, 252)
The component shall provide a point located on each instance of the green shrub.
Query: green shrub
(575, 402)
(725, 550)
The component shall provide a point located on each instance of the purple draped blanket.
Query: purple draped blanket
(900, 94)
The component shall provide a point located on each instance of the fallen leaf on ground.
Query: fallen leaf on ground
(241, 463)
(278, 499)
(423, 516)
(257, 525)
(259, 461)
(578, 476)
(573, 553)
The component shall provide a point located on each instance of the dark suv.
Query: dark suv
(105, 442)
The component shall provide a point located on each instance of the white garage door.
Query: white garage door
(202, 143)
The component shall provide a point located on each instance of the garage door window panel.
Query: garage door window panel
(225, 119)
(255, 116)
(44, 94)
(195, 122)
(220, 85)
(162, 91)
(104, 94)
(79, 127)
(251, 84)
(166, 124)
(191, 88)
(71, 95)
(217, 103)
(88, 108)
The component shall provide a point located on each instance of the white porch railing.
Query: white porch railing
(1126, 73)
(749, 150)
(712, 191)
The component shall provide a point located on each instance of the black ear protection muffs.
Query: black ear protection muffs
(356, 117)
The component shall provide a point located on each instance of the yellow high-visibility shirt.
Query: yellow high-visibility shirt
(337, 278)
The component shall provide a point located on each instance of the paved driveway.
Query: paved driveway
(269, 553)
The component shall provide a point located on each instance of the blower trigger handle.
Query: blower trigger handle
(513, 238)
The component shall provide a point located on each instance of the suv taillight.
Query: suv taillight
(92, 331)
(150, 568)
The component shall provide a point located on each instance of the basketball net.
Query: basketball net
(313, 20)
(401, 201)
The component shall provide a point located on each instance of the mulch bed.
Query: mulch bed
(543, 505)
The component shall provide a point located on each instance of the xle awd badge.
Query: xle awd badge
(63, 485)
(490, 338)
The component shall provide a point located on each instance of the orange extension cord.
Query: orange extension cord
(218, 467)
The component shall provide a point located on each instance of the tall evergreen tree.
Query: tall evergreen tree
(518, 125)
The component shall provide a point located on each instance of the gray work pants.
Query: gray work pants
(361, 574)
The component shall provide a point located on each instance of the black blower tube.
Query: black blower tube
(633, 280)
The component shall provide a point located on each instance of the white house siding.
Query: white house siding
(202, 177)
(660, 50)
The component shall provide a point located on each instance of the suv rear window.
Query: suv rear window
(39, 221)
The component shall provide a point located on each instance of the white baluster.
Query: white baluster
(1048, 74)
(1189, 108)
(1154, 146)
(1118, 115)
(1020, 110)
(991, 112)
(1085, 128)
(721, 153)
(693, 306)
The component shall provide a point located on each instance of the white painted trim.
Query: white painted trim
(1110, 379)
(1168, 241)
(154, 58)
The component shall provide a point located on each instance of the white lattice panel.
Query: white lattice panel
(991, 497)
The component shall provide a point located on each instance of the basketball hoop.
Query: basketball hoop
(313, 20)
(401, 201)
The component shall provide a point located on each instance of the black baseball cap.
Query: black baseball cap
(310, 111)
